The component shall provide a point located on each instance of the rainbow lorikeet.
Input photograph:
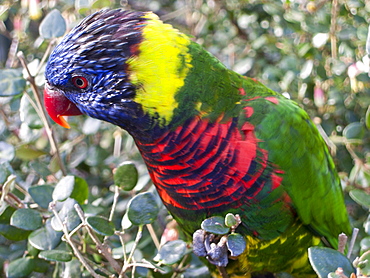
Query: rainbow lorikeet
(214, 142)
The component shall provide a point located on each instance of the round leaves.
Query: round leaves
(215, 225)
(53, 25)
(171, 252)
(101, 225)
(26, 219)
(11, 82)
(126, 176)
(326, 260)
(71, 187)
(142, 209)
(56, 255)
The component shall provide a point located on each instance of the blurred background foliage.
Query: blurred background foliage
(311, 51)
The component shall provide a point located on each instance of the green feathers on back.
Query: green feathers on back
(310, 178)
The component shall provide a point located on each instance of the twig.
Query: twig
(153, 235)
(12, 52)
(352, 242)
(115, 200)
(342, 241)
(67, 237)
(42, 113)
(114, 205)
(120, 235)
(333, 29)
(105, 251)
(46, 54)
(180, 267)
(137, 239)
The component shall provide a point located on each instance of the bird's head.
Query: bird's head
(120, 66)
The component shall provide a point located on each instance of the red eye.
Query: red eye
(80, 82)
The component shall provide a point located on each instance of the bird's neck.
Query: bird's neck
(176, 79)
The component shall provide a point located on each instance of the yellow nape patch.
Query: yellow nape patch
(160, 68)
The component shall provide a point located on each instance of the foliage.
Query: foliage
(59, 206)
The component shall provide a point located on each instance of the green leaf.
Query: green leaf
(360, 197)
(6, 215)
(11, 82)
(73, 268)
(366, 225)
(325, 260)
(236, 244)
(354, 130)
(26, 219)
(365, 244)
(64, 188)
(126, 176)
(45, 238)
(230, 220)
(364, 264)
(7, 151)
(31, 250)
(40, 265)
(82, 6)
(5, 171)
(367, 117)
(22, 267)
(215, 225)
(42, 194)
(101, 225)
(28, 152)
(142, 209)
(100, 4)
(80, 190)
(71, 187)
(53, 25)
(56, 255)
(13, 233)
(40, 168)
(171, 252)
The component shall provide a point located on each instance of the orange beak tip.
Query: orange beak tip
(62, 122)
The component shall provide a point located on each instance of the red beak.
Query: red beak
(57, 106)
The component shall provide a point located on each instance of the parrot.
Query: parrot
(214, 141)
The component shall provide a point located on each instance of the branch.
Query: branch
(42, 113)
(342, 241)
(137, 239)
(68, 238)
(333, 29)
(103, 249)
(352, 242)
(153, 235)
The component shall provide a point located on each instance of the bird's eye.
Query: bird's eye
(80, 82)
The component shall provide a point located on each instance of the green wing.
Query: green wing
(296, 147)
